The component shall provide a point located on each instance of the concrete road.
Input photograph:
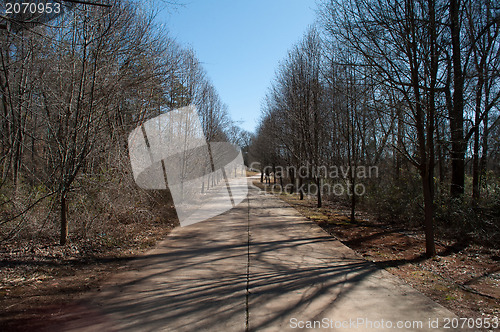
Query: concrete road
(258, 267)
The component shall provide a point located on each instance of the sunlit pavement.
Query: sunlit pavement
(259, 267)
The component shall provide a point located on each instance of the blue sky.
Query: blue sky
(240, 44)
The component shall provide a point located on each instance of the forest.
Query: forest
(374, 167)
(72, 87)
(409, 87)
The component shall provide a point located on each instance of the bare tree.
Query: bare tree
(400, 43)
(482, 31)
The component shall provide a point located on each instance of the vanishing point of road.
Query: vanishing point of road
(258, 267)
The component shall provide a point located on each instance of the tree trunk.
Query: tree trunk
(301, 190)
(475, 155)
(440, 158)
(430, 248)
(458, 145)
(64, 221)
(399, 143)
(428, 169)
(274, 173)
(318, 182)
(425, 134)
(483, 163)
(353, 201)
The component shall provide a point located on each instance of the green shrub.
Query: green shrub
(400, 202)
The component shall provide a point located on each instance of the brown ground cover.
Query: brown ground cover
(38, 279)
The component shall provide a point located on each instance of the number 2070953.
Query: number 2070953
(32, 8)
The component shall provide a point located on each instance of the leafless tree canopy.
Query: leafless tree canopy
(411, 87)
(71, 90)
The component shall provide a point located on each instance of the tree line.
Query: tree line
(411, 87)
(71, 90)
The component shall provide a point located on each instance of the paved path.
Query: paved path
(259, 267)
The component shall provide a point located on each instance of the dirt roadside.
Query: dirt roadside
(39, 279)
